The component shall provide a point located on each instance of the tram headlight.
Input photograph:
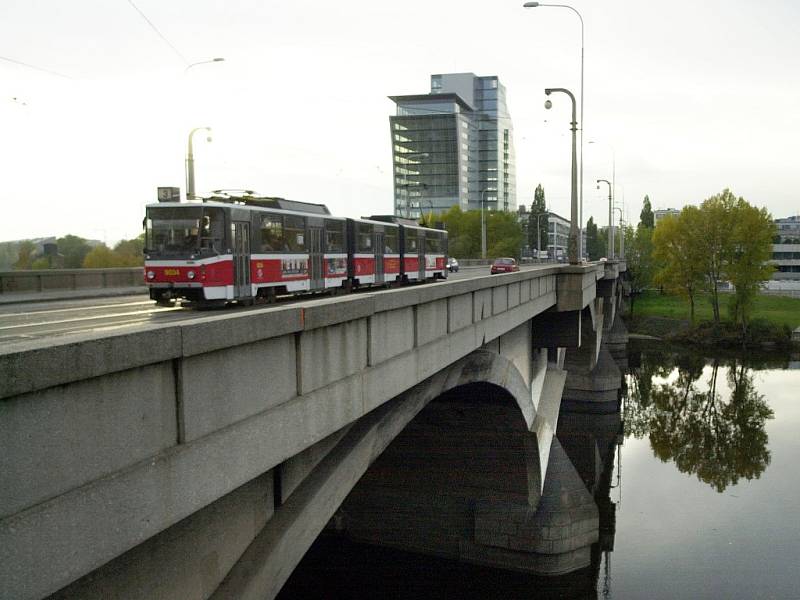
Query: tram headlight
(151, 275)
(190, 274)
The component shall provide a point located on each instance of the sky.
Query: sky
(681, 100)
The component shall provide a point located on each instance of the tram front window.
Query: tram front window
(184, 230)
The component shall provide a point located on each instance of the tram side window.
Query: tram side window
(295, 232)
(411, 241)
(364, 238)
(390, 240)
(433, 245)
(334, 236)
(272, 238)
(213, 229)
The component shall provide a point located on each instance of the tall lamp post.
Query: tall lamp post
(621, 234)
(483, 225)
(610, 218)
(190, 162)
(583, 126)
(572, 246)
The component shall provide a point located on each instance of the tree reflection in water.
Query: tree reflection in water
(720, 439)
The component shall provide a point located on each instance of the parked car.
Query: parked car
(452, 265)
(504, 265)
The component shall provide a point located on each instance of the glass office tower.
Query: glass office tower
(453, 147)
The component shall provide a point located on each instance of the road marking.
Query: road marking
(55, 310)
(94, 318)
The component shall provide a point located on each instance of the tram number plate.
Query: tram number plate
(171, 272)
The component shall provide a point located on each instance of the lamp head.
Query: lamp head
(530, 5)
(218, 59)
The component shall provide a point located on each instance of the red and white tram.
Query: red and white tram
(242, 249)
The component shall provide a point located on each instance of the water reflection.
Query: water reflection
(713, 431)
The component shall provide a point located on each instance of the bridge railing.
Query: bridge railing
(46, 280)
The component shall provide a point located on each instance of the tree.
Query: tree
(714, 242)
(639, 258)
(100, 257)
(74, 249)
(130, 253)
(747, 265)
(646, 217)
(503, 233)
(594, 246)
(538, 207)
(675, 248)
(25, 255)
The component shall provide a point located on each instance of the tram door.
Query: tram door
(379, 249)
(241, 260)
(315, 274)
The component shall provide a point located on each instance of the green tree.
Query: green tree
(503, 233)
(646, 217)
(746, 265)
(675, 247)
(714, 243)
(74, 249)
(102, 257)
(130, 253)
(25, 255)
(538, 207)
(639, 258)
(594, 246)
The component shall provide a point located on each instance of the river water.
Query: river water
(699, 498)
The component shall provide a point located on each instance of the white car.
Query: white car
(452, 264)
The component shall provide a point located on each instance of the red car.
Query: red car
(504, 265)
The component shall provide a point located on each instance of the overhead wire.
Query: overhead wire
(30, 66)
(161, 35)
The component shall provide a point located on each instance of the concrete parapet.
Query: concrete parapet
(577, 286)
(69, 279)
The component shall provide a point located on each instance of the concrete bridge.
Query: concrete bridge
(202, 459)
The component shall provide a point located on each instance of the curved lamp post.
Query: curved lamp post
(610, 219)
(483, 225)
(203, 62)
(572, 246)
(580, 215)
(190, 162)
(621, 234)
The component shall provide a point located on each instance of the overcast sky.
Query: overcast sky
(692, 97)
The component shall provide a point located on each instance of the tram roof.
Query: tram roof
(253, 207)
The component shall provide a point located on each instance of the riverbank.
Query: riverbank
(667, 317)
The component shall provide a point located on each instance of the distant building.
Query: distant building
(660, 213)
(453, 147)
(786, 253)
(788, 230)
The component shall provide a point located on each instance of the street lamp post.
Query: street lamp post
(583, 126)
(572, 247)
(610, 218)
(483, 225)
(203, 62)
(621, 234)
(190, 162)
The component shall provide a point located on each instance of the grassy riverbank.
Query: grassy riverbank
(774, 317)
